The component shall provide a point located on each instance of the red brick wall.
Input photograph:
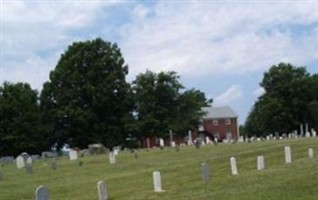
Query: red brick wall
(221, 128)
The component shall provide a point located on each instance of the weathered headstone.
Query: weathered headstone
(157, 181)
(288, 158)
(260, 163)
(102, 191)
(112, 158)
(41, 193)
(233, 166)
(29, 168)
(29, 161)
(73, 155)
(20, 162)
(190, 141)
(311, 153)
(205, 172)
(161, 142)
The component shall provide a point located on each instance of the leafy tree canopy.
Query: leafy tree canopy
(87, 98)
(289, 100)
(20, 128)
(161, 106)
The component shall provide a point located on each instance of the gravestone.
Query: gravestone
(73, 155)
(208, 141)
(313, 132)
(233, 166)
(173, 144)
(288, 158)
(116, 150)
(29, 168)
(157, 181)
(29, 161)
(205, 172)
(190, 141)
(161, 142)
(112, 158)
(260, 163)
(311, 153)
(102, 191)
(41, 193)
(20, 162)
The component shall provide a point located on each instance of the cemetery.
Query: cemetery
(262, 169)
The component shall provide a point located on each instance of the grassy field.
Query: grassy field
(131, 178)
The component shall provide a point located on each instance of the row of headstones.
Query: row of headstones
(42, 193)
(261, 160)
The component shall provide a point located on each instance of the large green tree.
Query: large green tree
(87, 99)
(162, 106)
(289, 100)
(20, 127)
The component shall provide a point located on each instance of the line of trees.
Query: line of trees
(290, 99)
(88, 100)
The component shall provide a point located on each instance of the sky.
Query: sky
(220, 47)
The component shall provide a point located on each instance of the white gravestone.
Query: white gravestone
(233, 166)
(313, 132)
(208, 141)
(41, 193)
(20, 162)
(102, 191)
(112, 158)
(260, 163)
(157, 181)
(310, 153)
(288, 158)
(73, 155)
(173, 144)
(162, 142)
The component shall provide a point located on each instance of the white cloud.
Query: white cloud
(33, 31)
(191, 37)
(197, 38)
(232, 94)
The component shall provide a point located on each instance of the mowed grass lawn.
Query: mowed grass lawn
(131, 178)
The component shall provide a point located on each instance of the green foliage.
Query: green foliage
(160, 105)
(289, 99)
(87, 98)
(20, 127)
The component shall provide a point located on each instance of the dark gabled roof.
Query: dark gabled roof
(219, 112)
